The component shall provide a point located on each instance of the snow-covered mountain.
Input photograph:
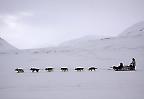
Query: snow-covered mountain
(102, 52)
(135, 30)
(5, 46)
(88, 51)
(131, 38)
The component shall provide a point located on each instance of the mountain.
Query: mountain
(104, 83)
(131, 38)
(86, 51)
(90, 51)
(5, 46)
(134, 30)
(83, 40)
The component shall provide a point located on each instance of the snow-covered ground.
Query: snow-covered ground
(73, 85)
(85, 52)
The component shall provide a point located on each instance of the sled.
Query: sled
(124, 68)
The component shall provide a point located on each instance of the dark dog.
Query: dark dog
(64, 69)
(79, 68)
(49, 69)
(92, 68)
(34, 69)
(19, 70)
(116, 68)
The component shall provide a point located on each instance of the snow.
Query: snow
(49, 67)
(73, 85)
(135, 30)
(5, 46)
(104, 83)
(79, 67)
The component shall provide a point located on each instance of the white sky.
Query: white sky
(40, 23)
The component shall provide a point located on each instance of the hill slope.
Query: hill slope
(135, 30)
(5, 46)
(103, 52)
(131, 38)
(85, 52)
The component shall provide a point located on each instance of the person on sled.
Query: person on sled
(120, 67)
(133, 64)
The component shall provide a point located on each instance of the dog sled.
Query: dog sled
(124, 68)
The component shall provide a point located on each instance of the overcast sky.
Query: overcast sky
(40, 23)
